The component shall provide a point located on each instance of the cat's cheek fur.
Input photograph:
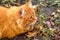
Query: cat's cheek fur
(32, 24)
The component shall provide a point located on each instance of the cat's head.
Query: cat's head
(27, 13)
(24, 16)
(28, 17)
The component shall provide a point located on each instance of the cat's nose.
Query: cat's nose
(35, 18)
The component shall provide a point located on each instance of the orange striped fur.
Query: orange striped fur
(16, 20)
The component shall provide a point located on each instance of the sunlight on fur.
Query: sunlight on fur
(16, 20)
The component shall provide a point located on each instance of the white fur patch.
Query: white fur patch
(18, 21)
(30, 4)
(23, 11)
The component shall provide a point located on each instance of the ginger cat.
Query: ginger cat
(16, 20)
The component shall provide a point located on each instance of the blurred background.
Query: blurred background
(48, 14)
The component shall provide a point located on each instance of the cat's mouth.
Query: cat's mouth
(32, 24)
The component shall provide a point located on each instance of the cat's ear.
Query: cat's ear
(22, 12)
(30, 3)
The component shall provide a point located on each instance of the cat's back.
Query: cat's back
(3, 9)
(3, 12)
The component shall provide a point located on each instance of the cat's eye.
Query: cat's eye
(31, 17)
(20, 13)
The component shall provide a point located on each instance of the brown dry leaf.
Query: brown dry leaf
(52, 23)
(31, 34)
(58, 10)
(59, 25)
(53, 13)
(41, 27)
(54, 30)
